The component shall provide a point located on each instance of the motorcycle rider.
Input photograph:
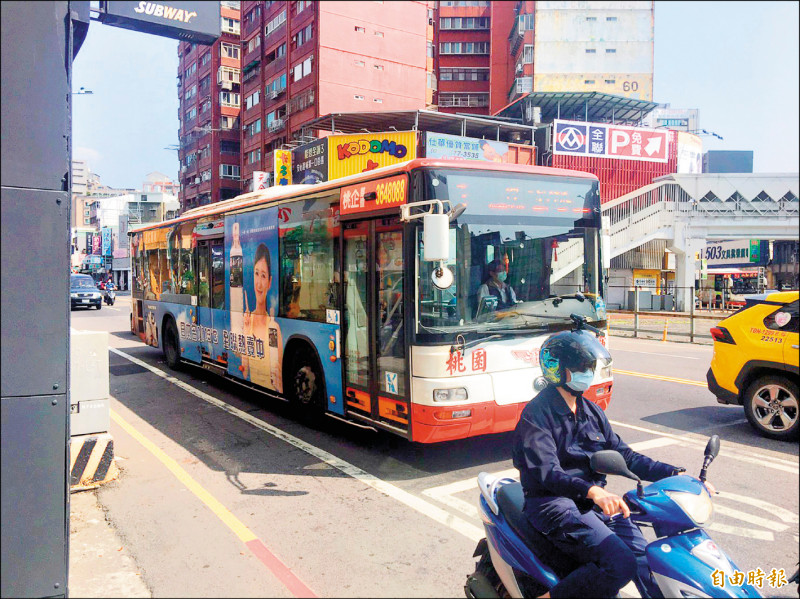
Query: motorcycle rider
(565, 500)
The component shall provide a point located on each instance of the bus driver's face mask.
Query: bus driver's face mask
(580, 381)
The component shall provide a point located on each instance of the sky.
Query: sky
(736, 62)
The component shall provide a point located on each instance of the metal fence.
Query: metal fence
(648, 314)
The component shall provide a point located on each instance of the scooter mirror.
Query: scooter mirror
(712, 448)
(609, 461)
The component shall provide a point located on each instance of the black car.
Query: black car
(84, 292)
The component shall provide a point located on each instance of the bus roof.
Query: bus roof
(275, 193)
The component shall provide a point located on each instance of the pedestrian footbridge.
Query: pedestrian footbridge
(687, 210)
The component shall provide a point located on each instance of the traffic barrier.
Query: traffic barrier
(91, 461)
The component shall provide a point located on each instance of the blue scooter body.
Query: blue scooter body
(682, 559)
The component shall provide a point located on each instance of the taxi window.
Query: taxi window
(784, 318)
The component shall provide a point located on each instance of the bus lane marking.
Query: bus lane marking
(282, 572)
(418, 504)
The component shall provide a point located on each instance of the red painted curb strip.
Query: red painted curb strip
(279, 569)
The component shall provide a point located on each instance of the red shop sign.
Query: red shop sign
(373, 195)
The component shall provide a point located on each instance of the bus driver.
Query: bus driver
(496, 286)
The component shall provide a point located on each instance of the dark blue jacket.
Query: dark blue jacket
(553, 446)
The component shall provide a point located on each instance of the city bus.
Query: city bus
(364, 298)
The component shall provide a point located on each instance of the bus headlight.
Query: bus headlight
(605, 372)
(698, 507)
(457, 394)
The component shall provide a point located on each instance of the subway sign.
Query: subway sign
(197, 22)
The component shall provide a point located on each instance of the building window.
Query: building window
(464, 48)
(588, 81)
(611, 18)
(191, 113)
(302, 69)
(230, 26)
(591, 18)
(253, 128)
(527, 54)
(357, 97)
(252, 100)
(302, 36)
(229, 171)
(611, 81)
(464, 23)
(205, 106)
(254, 43)
(524, 23)
(446, 74)
(464, 3)
(230, 99)
(253, 15)
(205, 59)
(300, 102)
(359, 63)
(379, 33)
(276, 85)
(378, 100)
(301, 6)
(190, 70)
(254, 156)
(275, 23)
(228, 122)
(611, 50)
(228, 74)
(464, 100)
(378, 67)
(430, 49)
(229, 51)
(190, 93)
(360, 29)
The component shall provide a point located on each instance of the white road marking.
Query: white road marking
(657, 442)
(422, 506)
(650, 353)
(743, 455)
(740, 531)
(739, 515)
(771, 508)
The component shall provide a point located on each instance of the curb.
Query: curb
(91, 461)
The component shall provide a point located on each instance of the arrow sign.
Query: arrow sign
(653, 146)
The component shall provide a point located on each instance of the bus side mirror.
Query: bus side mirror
(436, 238)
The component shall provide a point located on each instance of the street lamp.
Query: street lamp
(82, 91)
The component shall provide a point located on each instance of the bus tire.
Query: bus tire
(172, 347)
(306, 390)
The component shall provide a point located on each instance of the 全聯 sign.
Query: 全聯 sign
(602, 140)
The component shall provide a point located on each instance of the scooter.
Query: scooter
(517, 560)
(110, 294)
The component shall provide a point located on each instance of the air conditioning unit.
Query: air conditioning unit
(273, 95)
(227, 85)
(275, 125)
(197, 180)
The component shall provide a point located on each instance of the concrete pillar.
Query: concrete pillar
(685, 269)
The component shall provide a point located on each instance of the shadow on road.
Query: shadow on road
(726, 421)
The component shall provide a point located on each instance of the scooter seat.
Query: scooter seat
(511, 500)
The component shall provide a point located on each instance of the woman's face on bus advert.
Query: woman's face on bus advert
(262, 282)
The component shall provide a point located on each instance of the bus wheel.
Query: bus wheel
(307, 388)
(172, 350)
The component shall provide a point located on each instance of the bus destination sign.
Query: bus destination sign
(373, 195)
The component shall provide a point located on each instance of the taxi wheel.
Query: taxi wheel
(770, 404)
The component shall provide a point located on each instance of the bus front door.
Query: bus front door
(375, 360)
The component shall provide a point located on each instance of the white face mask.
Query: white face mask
(501, 276)
(581, 381)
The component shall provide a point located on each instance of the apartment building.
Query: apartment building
(490, 53)
(209, 88)
(305, 59)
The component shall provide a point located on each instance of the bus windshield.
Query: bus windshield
(525, 254)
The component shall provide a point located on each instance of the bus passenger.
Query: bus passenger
(496, 286)
(264, 369)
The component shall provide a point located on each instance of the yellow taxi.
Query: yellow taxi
(755, 363)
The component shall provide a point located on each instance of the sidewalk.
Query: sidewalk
(99, 564)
